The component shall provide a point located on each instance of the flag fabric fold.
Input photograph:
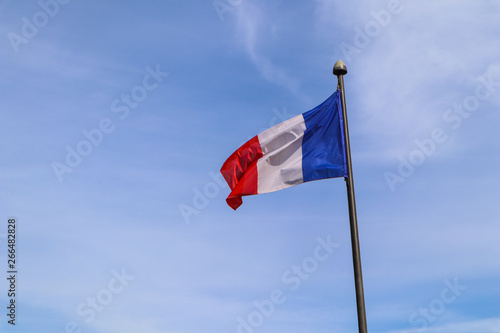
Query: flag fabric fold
(307, 147)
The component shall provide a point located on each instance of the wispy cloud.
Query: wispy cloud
(491, 325)
(410, 75)
(254, 27)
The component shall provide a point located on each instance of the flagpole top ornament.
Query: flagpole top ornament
(339, 68)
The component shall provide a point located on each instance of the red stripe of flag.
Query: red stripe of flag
(240, 171)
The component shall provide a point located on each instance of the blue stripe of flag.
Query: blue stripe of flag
(323, 147)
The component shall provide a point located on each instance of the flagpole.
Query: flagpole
(340, 70)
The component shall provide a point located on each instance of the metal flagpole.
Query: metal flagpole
(340, 70)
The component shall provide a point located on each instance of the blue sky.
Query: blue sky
(117, 115)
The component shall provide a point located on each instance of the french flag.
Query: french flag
(307, 147)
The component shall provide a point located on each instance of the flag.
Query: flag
(307, 147)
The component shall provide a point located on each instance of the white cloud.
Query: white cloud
(416, 67)
(252, 27)
(491, 325)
